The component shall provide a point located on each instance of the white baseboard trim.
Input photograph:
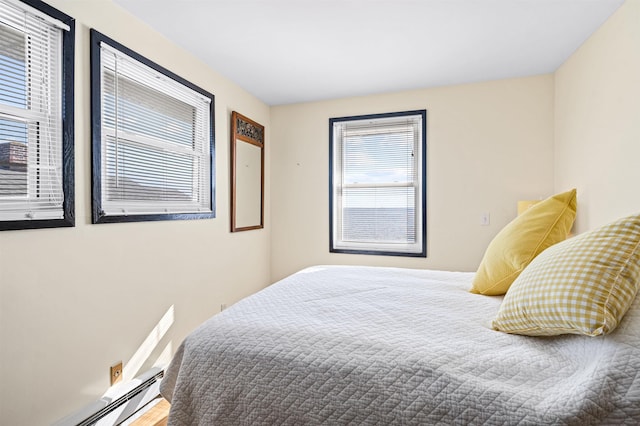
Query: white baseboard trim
(120, 403)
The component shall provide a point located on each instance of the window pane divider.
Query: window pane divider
(380, 185)
(132, 138)
(20, 114)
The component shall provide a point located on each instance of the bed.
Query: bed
(372, 345)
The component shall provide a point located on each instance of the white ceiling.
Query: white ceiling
(289, 51)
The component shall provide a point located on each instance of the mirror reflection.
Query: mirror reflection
(248, 184)
(247, 173)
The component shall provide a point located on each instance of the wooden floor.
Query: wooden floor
(156, 416)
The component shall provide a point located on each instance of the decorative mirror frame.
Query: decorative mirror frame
(245, 130)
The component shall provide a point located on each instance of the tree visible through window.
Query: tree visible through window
(377, 184)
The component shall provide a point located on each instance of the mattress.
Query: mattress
(367, 345)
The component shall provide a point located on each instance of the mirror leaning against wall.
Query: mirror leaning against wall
(247, 173)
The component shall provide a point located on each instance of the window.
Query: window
(152, 139)
(36, 116)
(377, 180)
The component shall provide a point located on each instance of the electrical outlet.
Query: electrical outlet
(115, 372)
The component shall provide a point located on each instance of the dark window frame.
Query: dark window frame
(422, 177)
(68, 128)
(98, 215)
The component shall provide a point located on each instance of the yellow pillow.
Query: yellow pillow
(583, 285)
(517, 244)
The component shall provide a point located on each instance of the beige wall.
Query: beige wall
(102, 289)
(105, 288)
(597, 131)
(488, 145)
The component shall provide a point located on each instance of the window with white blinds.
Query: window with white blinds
(36, 154)
(378, 184)
(156, 140)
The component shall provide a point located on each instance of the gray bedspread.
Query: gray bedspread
(342, 345)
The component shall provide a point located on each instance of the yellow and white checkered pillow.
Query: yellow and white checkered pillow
(583, 285)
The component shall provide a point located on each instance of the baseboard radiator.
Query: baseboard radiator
(111, 412)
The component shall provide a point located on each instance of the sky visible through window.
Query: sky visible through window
(379, 170)
(377, 159)
(13, 86)
(13, 131)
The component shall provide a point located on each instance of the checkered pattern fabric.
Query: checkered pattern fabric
(583, 285)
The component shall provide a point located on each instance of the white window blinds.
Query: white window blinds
(31, 140)
(155, 140)
(377, 185)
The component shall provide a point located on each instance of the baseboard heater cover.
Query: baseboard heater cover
(107, 412)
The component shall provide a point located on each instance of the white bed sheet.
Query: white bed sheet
(368, 345)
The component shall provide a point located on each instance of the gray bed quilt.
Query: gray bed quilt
(342, 345)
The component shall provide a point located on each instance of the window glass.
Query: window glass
(13, 159)
(148, 112)
(13, 134)
(136, 172)
(13, 86)
(155, 140)
(377, 184)
(36, 116)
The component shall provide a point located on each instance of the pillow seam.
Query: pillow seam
(533, 254)
(566, 206)
(616, 284)
(516, 272)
